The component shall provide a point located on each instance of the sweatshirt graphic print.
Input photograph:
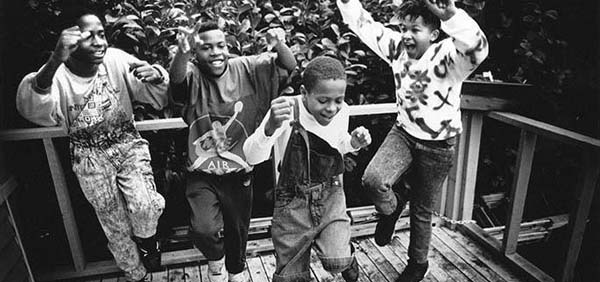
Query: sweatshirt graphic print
(428, 89)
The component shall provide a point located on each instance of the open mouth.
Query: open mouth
(326, 117)
(99, 53)
(217, 63)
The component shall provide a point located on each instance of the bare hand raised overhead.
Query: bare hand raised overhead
(443, 9)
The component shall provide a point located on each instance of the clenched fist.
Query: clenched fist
(360, 138)
(281, 110)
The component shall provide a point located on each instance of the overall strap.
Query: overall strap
(297, 127)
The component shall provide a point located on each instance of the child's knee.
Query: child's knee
(153, 204)
(205, 229)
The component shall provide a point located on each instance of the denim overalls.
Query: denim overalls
(309, 207)
(112, 163)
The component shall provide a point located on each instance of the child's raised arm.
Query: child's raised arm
(443, 9)
(257, 148)
(469, 41)
(385, 42)
(285, 57)
(186, 38)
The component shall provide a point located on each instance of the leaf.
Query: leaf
(553, 14)
(269, 17)
(244, 8)
(245, 26)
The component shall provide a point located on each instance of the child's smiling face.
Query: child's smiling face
(212, 54)
(417, 36)
(324, 101)
(92, 48)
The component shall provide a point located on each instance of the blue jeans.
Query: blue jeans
(430, 162)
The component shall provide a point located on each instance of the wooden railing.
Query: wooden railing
(461, 207)
(457, 198)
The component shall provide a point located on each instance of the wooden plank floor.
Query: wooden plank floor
(453, 257)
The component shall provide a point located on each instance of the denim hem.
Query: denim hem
(295, 277)
(336, 264)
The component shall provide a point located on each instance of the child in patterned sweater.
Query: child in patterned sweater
(428, 73)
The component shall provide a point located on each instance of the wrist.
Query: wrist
(269, 131)
(160, 77)
(448, 14)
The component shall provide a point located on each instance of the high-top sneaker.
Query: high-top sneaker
(149, 252)
(216, 270)
(351, 273)
(387, 223)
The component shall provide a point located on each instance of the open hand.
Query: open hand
(443, 9)
(68, 42)
(187, 38)
(143, 71)
(360, 137)
(281, 110)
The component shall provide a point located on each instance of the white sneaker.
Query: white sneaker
(216, 270)
(239, 277)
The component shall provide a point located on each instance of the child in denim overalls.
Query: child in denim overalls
(88, 88)
(428, 72)
(310, 131)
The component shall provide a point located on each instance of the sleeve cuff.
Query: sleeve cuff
(38, 89)
(351, 9)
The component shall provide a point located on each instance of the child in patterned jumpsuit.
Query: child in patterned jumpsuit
(310, 132)
(87, 88)
(428, 73)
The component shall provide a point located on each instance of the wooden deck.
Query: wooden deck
(453, 257)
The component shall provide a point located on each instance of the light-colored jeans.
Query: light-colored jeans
(118, 182)
(429, 162)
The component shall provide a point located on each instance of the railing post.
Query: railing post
(584, 195)
(454, 181)
(518, 193)
(64, 203)
(474, 126)
(460, 188)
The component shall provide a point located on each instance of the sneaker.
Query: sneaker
(216, 270)
(149, 252)
(239, 277)
(414, 272)
(351, 273)
(386, 225)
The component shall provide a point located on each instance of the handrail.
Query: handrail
(545, 129)
(161, 124)
(584, 190)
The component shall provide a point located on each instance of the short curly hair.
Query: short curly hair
(415, 8)
(208, 26)
(322, 68)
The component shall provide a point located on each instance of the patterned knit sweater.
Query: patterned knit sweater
(427, 89)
